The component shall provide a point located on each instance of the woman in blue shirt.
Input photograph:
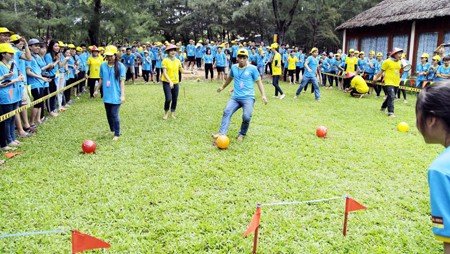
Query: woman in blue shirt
(9, 99)
(220, 60)
(422, 70)
(112, 78)
(52, 60)
(433, 122)
(159, 58)
(311, 64)
(208, 59)
(146, 66)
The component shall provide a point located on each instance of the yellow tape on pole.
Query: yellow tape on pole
(407, 88)
(25, 107)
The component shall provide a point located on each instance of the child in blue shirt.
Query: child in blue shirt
(433, 122)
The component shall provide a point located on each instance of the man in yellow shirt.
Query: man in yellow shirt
(276, 70)
(358, 86)
(391, 70)
(350, 66)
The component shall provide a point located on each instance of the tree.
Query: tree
(283, 12)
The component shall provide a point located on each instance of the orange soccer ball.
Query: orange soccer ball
(89, 146)
(321, 131)
(222, 142)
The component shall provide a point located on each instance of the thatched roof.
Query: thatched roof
(391, 11)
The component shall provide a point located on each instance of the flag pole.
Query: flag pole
(255, 240)
(344, 230)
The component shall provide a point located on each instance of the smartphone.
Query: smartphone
(12, 67)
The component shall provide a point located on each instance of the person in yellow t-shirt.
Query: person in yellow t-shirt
(170, 79)
(276, 70)
(391, 70)
(350, 66)
(93, 70)
(358, 86)
(292, 62)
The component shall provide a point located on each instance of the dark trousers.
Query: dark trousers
(275, 80)
(209, 68)
(145, 75)
(37, 93)
(297, 73)
(52, 101)
(199, 62)
(80, 85)
(136, 72)
(398, 91)
(389, 101)
(68, 91)
(7, 127)
(285, 73)
(112, 114)
(158, 74)
(153, 65)
(171, 95)
(91, 84)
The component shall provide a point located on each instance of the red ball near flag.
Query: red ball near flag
(88, 146)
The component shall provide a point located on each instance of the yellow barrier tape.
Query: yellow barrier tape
(407, 88)
(25, 107)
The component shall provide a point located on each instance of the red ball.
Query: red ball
(321, 131)
(89, 146)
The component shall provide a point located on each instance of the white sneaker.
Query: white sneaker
(405, 101)
(282, 96)
(295, 97)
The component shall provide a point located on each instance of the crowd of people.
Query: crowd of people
(35, 68)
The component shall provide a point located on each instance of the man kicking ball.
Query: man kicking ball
(245, 75)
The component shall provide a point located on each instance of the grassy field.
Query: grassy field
(163, 187)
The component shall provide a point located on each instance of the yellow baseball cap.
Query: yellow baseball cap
(362, 53)
(71, 46)
(313, 49)
(379, 54)
(79, 49)
(103, 49)
(437, 58)
(356, 52)
(372, 52)
(6, 48)
(15, 37)
(110, 50)
(403, 55)
(337, 54)
(351, 51)
(61, 44)
(242, 52)
(274, 45)
(425, 55)
(4, 30)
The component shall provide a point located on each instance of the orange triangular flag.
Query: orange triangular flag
(82, 242)
(352, 205)
(11, 155)
(254, 224)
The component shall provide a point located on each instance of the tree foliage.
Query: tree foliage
(300, 22)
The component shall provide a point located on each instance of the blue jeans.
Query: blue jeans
(305, 81)
(112, 113)
(171, 95)
(230, 108)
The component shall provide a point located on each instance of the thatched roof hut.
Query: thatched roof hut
(418, 26)
(391, 11)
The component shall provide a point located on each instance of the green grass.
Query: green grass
(163, 187)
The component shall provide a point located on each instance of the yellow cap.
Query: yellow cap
(274, 45)
(147, 42)
(90, 47)
(233, 41)
(337, 54)
(222, 45)
(200, 41)
(110, 50)
(379, 54)
(61, 44)
(240, 45)
(362, 53)
(372, 52)
(242, 52)
(313, 49)
(425, 55)
(6, 48)
(351, 51)
(356, 52)
(437, 58)
(15, 37)
(71, 46)
(212, 42)
(403, 55)
(79, 49)
(145, 51)
(4, 30)
(103, 49)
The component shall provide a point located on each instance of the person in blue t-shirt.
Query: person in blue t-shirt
(443, 71)
(433, 122)
(208, 59)
(221, 61)
(243, 96)
(422, 70)
(158, 69)
(146, 66)
(299, 66)
(311, 64)
(200, 50)
(112, 78)
(128, 61)
(190, 52)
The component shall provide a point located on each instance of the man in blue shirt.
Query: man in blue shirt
(311, 64)
(245, 76)
(128, 62)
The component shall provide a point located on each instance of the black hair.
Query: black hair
(208, 49)
(434, 101)
(446, 58)
(116, 68)
(128, 49)
(50, 49)
(82, 45)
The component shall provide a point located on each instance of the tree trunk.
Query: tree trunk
(94, 26)
(282, 20)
